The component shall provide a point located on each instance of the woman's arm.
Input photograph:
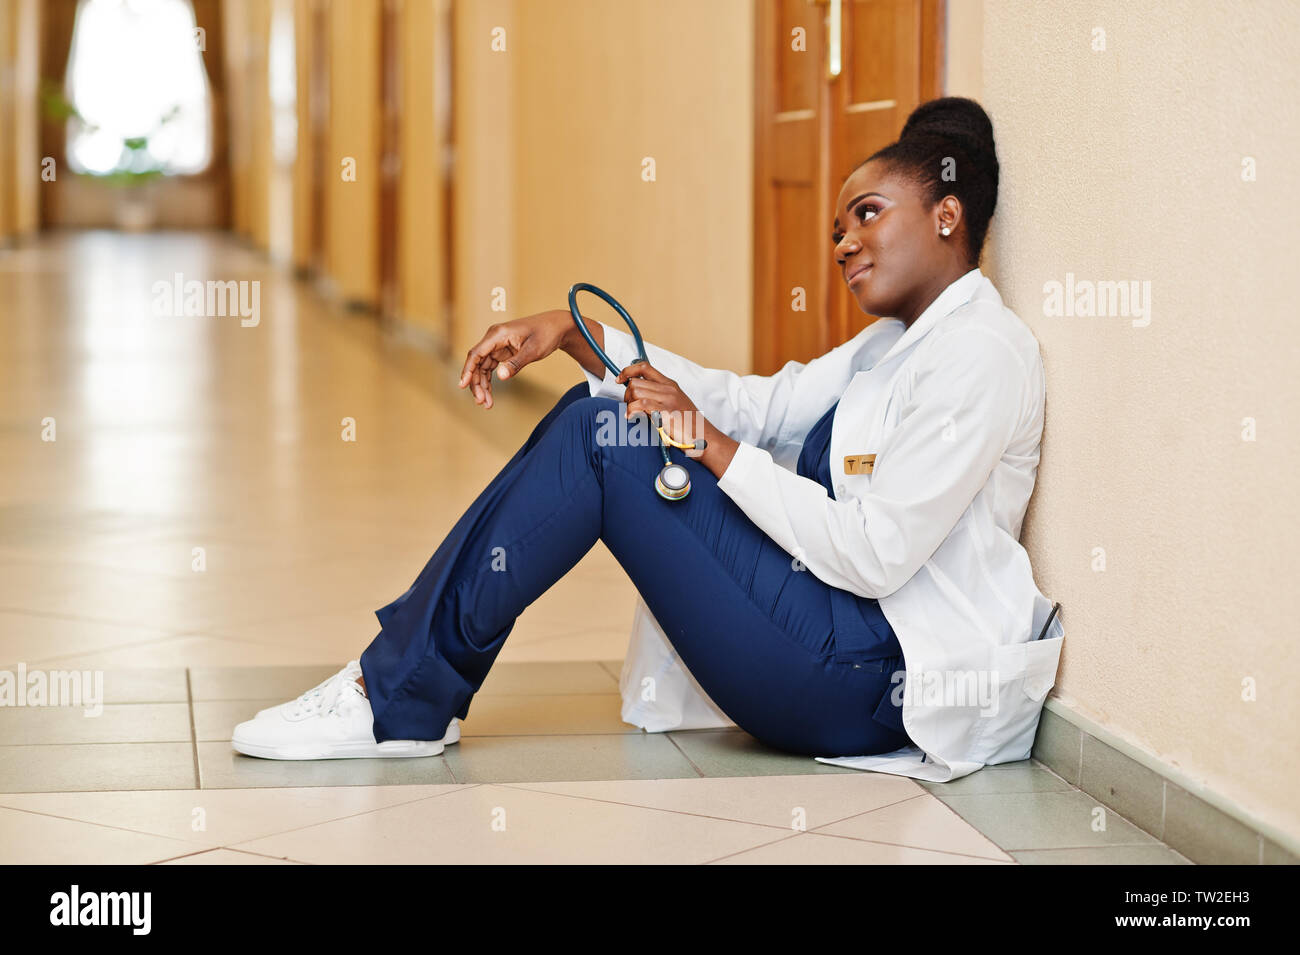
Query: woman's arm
(743, 407)
(967, 403)
(751, 407)
(577, 348)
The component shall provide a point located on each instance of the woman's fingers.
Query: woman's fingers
(647, 397)
(485, 369)
(644, 388)
(474, 356)
(494, 338)
(640, 405)
(498, 346)
(643, 370)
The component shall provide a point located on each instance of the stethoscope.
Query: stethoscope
(674, 481)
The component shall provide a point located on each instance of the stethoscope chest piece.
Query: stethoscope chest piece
(673, 482)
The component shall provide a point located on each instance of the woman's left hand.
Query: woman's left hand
(649, 390)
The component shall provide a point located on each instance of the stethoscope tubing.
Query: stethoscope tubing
(613, 303)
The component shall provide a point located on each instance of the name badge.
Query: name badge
(859, 463)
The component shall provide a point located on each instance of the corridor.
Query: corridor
(182, 513)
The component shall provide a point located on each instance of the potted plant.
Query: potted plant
(135, 170)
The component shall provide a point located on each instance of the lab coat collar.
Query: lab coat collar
(950, 299)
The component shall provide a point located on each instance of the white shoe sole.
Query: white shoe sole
(361, 749)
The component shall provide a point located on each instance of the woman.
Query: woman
(909, 456)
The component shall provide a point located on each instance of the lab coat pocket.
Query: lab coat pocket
(1024, 674)
(1032, 664)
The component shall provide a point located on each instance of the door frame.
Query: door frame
(833, 323)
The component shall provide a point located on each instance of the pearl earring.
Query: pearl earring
(945, 231)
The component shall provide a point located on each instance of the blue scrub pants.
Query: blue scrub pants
(755, 629)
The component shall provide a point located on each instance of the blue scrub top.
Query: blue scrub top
(868, 631)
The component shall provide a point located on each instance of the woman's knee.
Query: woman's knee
(577, 392)
(587, 408)
(604, 422)
(573, 397)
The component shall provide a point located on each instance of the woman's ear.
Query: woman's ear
(948, 215)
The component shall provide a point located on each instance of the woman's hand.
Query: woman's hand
(507, 347)
(649, 390)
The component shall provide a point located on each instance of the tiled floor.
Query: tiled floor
(176, 434)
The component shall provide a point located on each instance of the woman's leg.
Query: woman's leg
(756, 632)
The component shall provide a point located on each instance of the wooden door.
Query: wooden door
(318, 107)
(835, 82)
(390, 156)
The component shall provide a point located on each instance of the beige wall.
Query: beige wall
(236, 28)
(551, 136)
(6, 121)
(352, 216)
(420, 237)
(20, 159)
(258, 120)
(302, 195)
(484, 188)
(1126, 165)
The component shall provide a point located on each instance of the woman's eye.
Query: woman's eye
(861, 212)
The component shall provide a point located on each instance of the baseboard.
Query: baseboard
(1186, 815)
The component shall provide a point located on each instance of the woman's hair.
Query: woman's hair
(946, 146)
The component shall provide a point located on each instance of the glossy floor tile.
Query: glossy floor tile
(730, 752)
(811, 848)
(33, 838)
(183, 520)
(1102, 855)
(798, 803)
(220, 767)
(508, 759)
(227, 857)
(213, 818)
(496, 824)
(1046, 820)
(83, 767)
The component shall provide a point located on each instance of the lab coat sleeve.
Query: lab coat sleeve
(745, 407)
(966, 403)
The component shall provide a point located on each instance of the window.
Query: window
(282, 80)
(136, 77)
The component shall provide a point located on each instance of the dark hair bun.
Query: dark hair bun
(943, 132)
(952, 117)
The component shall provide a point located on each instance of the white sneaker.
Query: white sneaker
(313, 696)
(329, 721)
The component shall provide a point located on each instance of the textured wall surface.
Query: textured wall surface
(584, 92)
(1126, 164)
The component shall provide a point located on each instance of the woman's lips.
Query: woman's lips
(858, 273)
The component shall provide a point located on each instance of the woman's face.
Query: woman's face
(887, 242)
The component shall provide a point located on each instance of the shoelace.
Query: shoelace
(329, 694)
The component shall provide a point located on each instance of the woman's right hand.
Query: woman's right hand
(507, 347)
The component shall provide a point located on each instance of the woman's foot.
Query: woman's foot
(329, 721)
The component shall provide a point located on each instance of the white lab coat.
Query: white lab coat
(953, 409)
